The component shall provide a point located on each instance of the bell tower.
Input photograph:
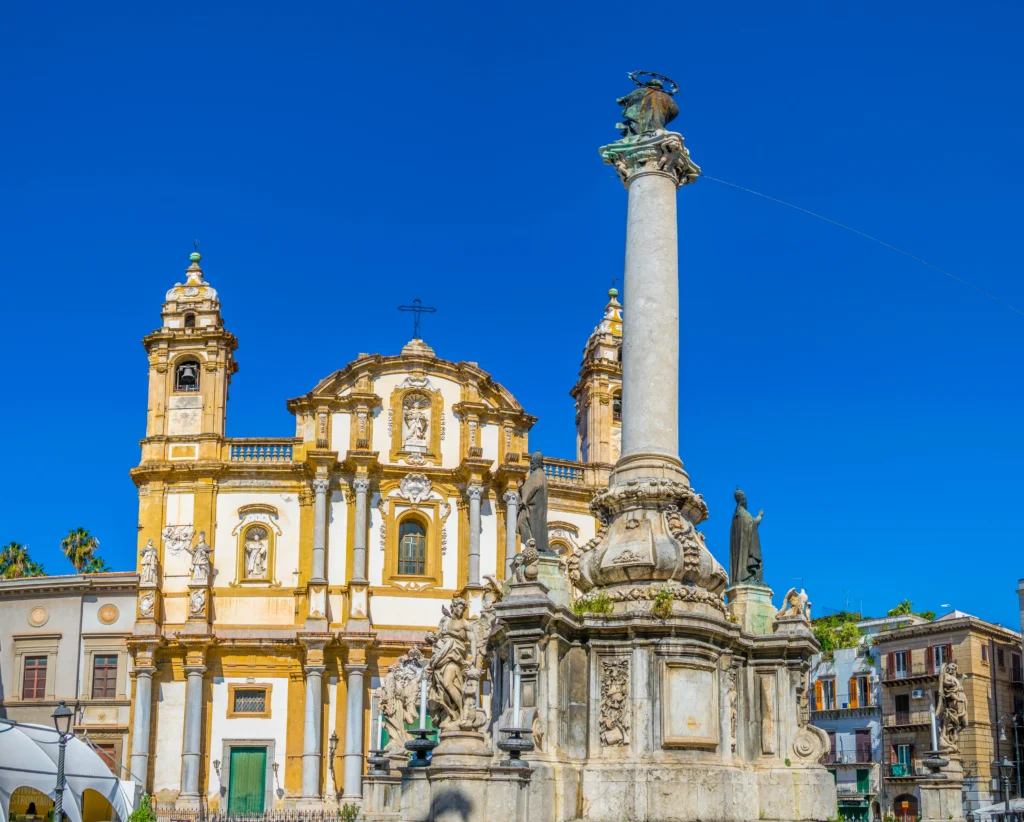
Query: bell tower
(191, 360)
(598, 391)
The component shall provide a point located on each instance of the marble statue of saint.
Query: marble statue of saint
(952, 711)
(646, 109)
(532, 522)
(147, 573)
(417, 422)
(745, 544)
(200, 570)
(256, 543)
(450, 645)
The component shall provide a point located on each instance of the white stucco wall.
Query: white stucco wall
(286, 544)
(450, 559)
(488, 538)
(487, 437)
(170, 734)
(412, 612)
(337, 540)
(178, 510)
(341, 433)
(374, 555)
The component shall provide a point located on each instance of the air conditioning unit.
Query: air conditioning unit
(917, 693)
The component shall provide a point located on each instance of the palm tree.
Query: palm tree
(15, 562)
(79, 546)
(95, 565)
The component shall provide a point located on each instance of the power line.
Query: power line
(868, 237)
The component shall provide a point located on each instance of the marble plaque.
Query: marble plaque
(689, 705)
(184, 415)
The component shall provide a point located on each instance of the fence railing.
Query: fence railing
(167, 811)
(564, 472)
(903, 718)
(260, 451)
(909, 671)
(897, 770)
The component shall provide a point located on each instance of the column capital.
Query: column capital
(511, 497)
(314, 669)
(361, 486)
(194, 669)
(660, 152)
(355, 667)
(321, 486)
(475, 492)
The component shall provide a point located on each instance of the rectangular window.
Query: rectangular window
(1000, 658)
(33, 685)
(901, 659)
(828, 694)
(250, 701)
(104, 677)
(902, 705)
(863, 688)
(984, 653)
(108, 753)
(863, 738)
(1015, 668)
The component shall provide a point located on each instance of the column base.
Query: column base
(187, 802)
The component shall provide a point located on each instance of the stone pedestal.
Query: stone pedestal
(489, 794)
(552, 576)
(751, 607)
(461, 749)
(942, 794)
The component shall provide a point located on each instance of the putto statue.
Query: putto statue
(745, 565)
(398, 697)
(532, 522)
(148, 570)
(795, 605)
(952, 712)
(649, 108)
(200, 570)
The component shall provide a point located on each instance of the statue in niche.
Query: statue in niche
(952, 712)
(745, 544)
(148, 571)
(257, 541)
(199, 573)
(532, 522)
(416, 421)
(450, 645)
(648, 108)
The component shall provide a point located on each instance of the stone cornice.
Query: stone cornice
(115, 582)
(949, 626)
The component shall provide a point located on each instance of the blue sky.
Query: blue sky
(336, 160)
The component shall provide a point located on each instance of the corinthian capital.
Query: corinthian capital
(474, 492)
(511, 498)
(361, 486)
(321, 486)
(661, 152)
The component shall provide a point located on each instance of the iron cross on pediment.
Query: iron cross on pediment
(417, 308)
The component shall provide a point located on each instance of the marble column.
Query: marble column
(192, 744)
(362, 487)
(143, 702)
(511, 524)
(311, 747)
(353, 774)
(474, 492)
(321, 488)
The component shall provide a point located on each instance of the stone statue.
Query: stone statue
(646, 109)
(745, 544)
(200, 570)
(532, 523)
(197, 603)
(450, 646)
(952, 711)
(795, 605)
(525, 564)
(417, 421)
(256, 548)
(148, 572)
(398, 698)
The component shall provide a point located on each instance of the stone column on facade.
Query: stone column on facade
(192, 743)
(474, 492)
(362, 487)
(511, 524)
(143, 703)
(321, 487)
(353, 773)
(311, 743)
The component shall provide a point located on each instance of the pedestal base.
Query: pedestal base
(461, 749)
(751, 606)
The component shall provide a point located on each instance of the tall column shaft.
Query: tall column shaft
(474, 492)
(311, 733)
(191, 749)
(650, 339)
(353, 778)
(320, 488)
(141, 725)
(359, 544)
(511, 524)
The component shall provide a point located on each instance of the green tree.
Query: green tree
(929, 615)
(905, 607)
(16, 563)
(79, 546)
(95, 565)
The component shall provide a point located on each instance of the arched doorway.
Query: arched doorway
(904, 807)
(95, 807)
(29, 803)
(876, 812)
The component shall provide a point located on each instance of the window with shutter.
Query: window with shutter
(853, 703)
(819, 700)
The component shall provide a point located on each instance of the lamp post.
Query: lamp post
(1011, 719)
(62, 715)
(1005, 771)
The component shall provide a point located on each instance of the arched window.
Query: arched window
(186, 376)
(617, 408)
(412, 548)
(190, 321)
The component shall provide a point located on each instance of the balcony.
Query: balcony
(915, 670)
(845, 711)
(849, 790)
(855, 759)
(907, 719)
(900, 770)
(261, 451)
(587, 477)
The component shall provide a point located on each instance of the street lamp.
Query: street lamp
(62, 716)
(1011, 719)
(1005, 770)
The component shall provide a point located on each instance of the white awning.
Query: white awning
(28, 758)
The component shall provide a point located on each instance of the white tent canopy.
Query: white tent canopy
(28, 758)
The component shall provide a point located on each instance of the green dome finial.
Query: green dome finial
(613, 293)
(195, 256)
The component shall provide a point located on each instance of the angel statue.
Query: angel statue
(795, 605)
(450, 645)
(952, 711)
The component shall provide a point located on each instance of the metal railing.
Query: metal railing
(898, 770)
(262, 451)
(167, 811)
(853, 789)
(905, 718)
(912, 669)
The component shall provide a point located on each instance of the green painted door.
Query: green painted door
(863, 780)
(248, 780)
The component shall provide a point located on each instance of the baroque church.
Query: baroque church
(282, 576)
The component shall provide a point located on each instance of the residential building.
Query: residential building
(988, 658)
(65, 638)
(282, 576)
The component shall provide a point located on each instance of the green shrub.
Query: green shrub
(592, 604)
(145, 812)
(662, 607)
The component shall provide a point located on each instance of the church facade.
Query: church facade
(281, 577)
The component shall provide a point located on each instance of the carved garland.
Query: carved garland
(614, 720)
